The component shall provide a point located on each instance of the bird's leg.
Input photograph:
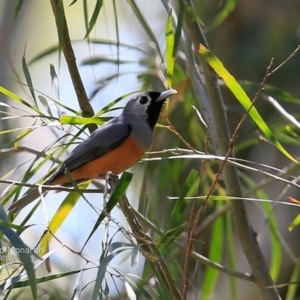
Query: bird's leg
(113, 181)
(107, 190)
(110, 184)
(106, 220)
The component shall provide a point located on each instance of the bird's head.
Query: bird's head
(147, 106)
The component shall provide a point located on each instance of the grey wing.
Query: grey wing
(101, 141)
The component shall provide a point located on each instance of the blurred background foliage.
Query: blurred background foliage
(118, 52)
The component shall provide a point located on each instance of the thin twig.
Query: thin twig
(51, 187)
(284, 62)
(172, 128)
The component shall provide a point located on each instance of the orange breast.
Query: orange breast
(117, 161)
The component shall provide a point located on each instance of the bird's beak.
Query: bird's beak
(166, 94)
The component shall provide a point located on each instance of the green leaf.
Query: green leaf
(44, 54)
(28, 78)
(18, 7)
(78, 286)
(193, 14)
(25, 283)
(293, 288)
(215, 254)
(101, 273)
(231, 253)
(276, 258)
(56, 48)
(171, 235)
(188, 189)
(276, 251)
(55, 88)
(98, 60)
(295, 223)
(61, 214)
(12, 226)
(94, 17)
(24, 252)
(113, 246)
(180, 21)
(21, 135)
(242, 97)
(169, 50)
(18, 99)
(67, 119)
(228, 7)
(107, 108)
(116, 43)
(45, 104)
(73, 2)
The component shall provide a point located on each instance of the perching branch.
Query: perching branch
(66, 46)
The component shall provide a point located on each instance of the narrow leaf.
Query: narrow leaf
(78, 286)
(61, 214)
(44, 53)
(180, 19)
(295, 223)
(98, 60)
(276, 257)
(18, 7)
(66, 119)
(28, 78)
(293, 288)
(231, 254)
(19, 99)
(45, 103)
(169, 50)
(171, 235)
(101, 273)
(242, 97)
(55, 88)
(25, 283)
(94, 17)
(188, 189)
(215, 254)
(24, 252)
(228, 7)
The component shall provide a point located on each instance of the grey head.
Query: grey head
(141, 113)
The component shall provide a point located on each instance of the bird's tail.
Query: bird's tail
(30, 196)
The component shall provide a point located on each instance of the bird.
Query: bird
(113, 147)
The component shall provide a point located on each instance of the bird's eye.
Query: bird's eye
(143, 100)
